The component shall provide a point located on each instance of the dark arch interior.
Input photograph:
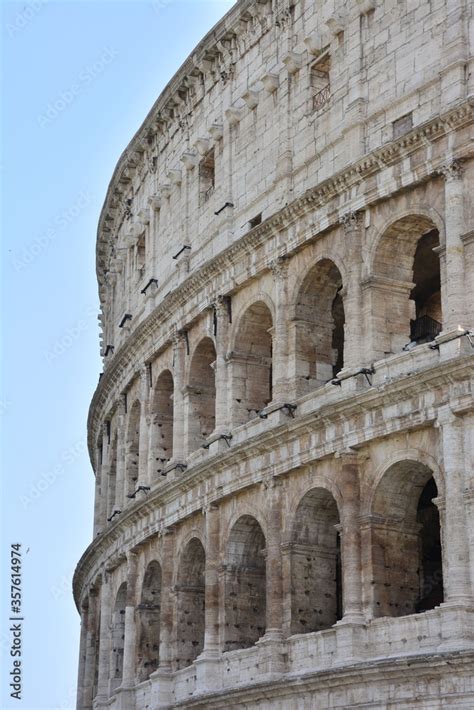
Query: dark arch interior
(162, 422)
(315, 564)
(253, 371)
(133, 447)
(118, 635)
(426, 293)
(190, 604)
(245, 585)
(148, 623)
(406, 542)
(319, 327)
(431, 568)
(202, 393)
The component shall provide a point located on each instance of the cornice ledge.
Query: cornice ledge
(380, 157)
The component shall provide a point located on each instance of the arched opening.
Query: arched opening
(318, 328)
(201, 393)
(111, 491)
(405, 289)
(190, 603)
(245, 585)
(251, 363)
(161, 444)
(118, 636)
(316, 584)
(133, 447)
(431, 566)
(407, 574)
(148, 623)
(426, 294)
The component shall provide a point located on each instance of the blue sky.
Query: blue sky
(77, 80)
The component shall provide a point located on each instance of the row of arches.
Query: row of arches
(406, 573)
(316, 327)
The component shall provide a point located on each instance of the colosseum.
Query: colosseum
(282, 435)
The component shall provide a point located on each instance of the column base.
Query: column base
(162, 688)
(452, 343)
(271, 635)
(457, 628)
(355, 618)
(349, 631)
(272, 654)
(208, 672)
(125, 699)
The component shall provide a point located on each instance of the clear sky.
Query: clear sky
(78, 79)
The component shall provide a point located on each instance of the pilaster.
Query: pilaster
(350, 537)
(179, 355)
(120, 488)
(279, 268)
(354, 327)
(129, 655)
(105, 639)
(456, 549)
(453, 298)
(221, 309)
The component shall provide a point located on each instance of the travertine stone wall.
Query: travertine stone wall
(282, 435)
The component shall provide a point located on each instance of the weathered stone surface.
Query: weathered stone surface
(282, 437)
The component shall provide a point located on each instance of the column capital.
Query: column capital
(347, 457)
(446, 416)
(177, 336)
(164, 531)
(122, 404)
(352, 220)
(452, 170)
(440, 503)
(145, 379)
(269, 481)
(105, 577)
(279, 267)
(132, 556)
(209, 508)
(220, 304)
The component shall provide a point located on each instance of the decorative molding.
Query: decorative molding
(352, 220)
(279, 267)
(189, 160)
(271, 82)
(453, 170)
(293, 61)
(251, 98)
(234, 115)
(216, 130)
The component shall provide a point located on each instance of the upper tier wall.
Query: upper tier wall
(278, 98)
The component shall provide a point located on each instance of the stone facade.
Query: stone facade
(282, 436)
